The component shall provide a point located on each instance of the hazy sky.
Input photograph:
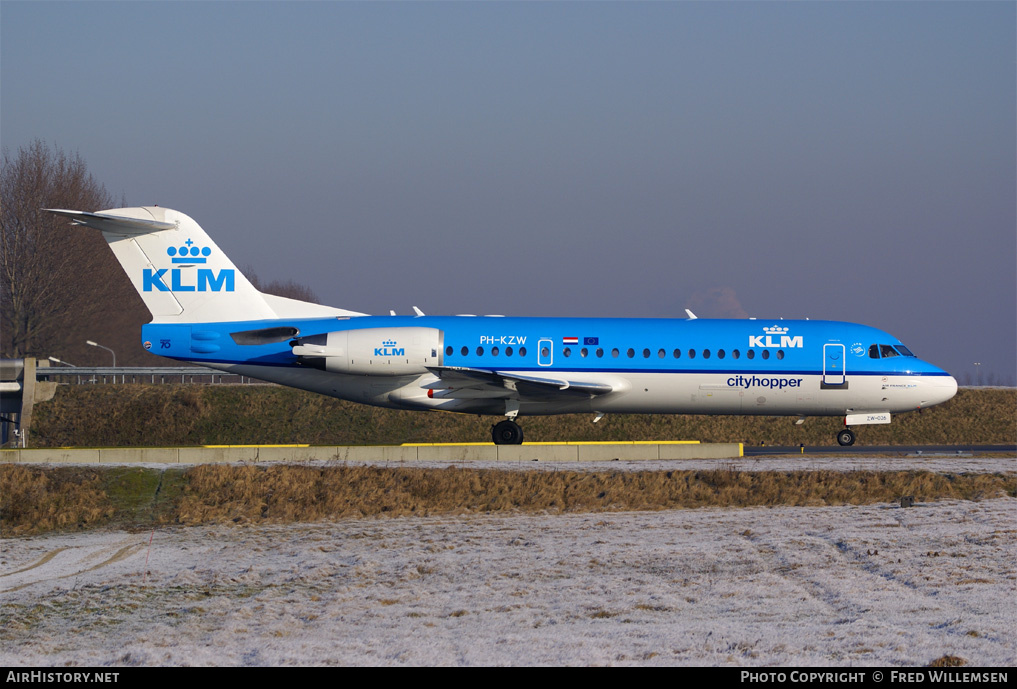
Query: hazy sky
(848, 161)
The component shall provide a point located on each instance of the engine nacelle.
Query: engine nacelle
(373, 351)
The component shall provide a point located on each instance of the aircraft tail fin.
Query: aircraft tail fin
(179, 271)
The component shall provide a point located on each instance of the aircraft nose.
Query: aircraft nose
(939, 389)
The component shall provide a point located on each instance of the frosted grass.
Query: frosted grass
(853, 585)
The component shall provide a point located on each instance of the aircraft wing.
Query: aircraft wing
(510, 385)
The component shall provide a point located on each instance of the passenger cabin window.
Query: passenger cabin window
(522, 351)
(448, 350)
(465, 351)
(508, 351)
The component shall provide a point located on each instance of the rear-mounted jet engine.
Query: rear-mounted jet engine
(373, 351)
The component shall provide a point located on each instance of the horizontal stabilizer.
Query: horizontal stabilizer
(114, 224)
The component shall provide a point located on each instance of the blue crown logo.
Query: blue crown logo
(189, 253)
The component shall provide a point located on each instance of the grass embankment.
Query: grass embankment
(36, 499)
(169, 415)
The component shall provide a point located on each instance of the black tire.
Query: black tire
(846, 437)
(507, 433)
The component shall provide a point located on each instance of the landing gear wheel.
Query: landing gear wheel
(846, 437)
(507, 433)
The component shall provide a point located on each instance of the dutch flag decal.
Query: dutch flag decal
(570, 340)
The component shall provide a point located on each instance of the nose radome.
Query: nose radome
(939, 389)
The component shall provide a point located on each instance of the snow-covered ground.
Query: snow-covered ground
(872, 585)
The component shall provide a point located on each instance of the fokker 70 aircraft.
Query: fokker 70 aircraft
(206, 312)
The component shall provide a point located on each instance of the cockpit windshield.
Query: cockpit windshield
(885, 351)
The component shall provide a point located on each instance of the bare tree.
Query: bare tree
(280, 288)
(59, 285)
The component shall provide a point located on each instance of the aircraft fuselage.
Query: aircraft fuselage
(701, 366)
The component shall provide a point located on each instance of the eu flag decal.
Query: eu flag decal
(591, 341)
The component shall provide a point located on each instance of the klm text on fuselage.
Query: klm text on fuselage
(785, 341)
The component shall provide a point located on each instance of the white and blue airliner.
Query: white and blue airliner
(206, 312)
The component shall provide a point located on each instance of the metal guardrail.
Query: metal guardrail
(146, 374)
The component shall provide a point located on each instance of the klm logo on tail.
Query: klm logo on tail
(207, 279)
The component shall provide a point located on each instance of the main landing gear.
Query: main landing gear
(846, 437)
(507, 432)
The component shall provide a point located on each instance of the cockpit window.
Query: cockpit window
(904, 350)
(886, 351)
(874, 352)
